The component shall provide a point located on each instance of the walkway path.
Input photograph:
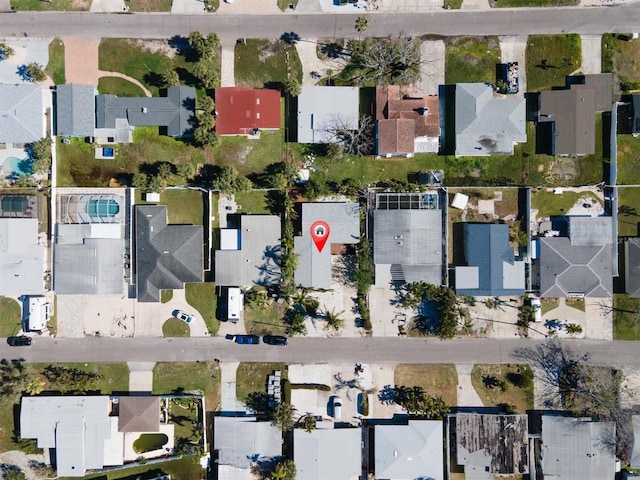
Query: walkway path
(467, 395)
(227, 65)
(102, 73)
(229, 402)
(141, 376)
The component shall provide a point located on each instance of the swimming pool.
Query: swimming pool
(17, 166)
(102, 208)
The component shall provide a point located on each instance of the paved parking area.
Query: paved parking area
(432, 55)
(384, 313)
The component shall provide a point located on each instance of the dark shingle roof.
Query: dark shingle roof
(175, 111)
(75, 110)
(139, 414)
(632, 268)
(167, 255)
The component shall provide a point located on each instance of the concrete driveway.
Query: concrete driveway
(108, 6)
(591, 54)
(513, 49)
(151, 316)
(432, 54)
(26, 50)
(188, 6)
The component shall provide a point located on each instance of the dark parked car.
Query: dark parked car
(247, 339)
(274, 340)
(22, 341)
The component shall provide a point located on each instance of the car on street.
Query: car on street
(336, 407)
(247, 339)
(537, 308)
(180, 315)
(275, 340)
(21, 341)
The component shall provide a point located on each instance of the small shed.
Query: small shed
(460, 201)
(152, 197)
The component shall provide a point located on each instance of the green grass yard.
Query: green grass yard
(626, 317)
(519, 382)
(252, 202)
(10, 316)
(550, 58)
(202, 297)
(471, 59)
(175, 328)
(434, 379)
(119, 86)
(53, 5)
(149, 5)
(252, 377)
(201, 377)
(548, 203)
(629, 211)
(265, 320)
(251, 156)
(260, 62)
(77, 166)
(622, 58)
(628, 158)
(55, 67)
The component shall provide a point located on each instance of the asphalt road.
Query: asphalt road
(307, 350)
(594, 20)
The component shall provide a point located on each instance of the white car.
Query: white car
(336, 407)
(537, 306)
(180, 315)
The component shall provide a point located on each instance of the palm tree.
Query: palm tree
(362, 24)
(334, 320)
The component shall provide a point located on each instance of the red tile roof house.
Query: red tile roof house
(405, 125)
(241, 110)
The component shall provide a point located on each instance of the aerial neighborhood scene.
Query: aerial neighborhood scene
(320, 239)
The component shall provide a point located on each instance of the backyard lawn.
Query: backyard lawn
(628, 211)
(628, 158)
(10, 316)
(626, 317)
(253, 202)
(202, 297)
(548, 203)
(434, 379)
(252, 377)
(55, 67)
(550, 58)
(504, 384)
(175, 328)
(261, 62)
(251, 156)
(200, 377)
(119, 86)
(471, 59)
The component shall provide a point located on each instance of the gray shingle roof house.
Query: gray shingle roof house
(577, 449)
(320, 108)
(632, 267)
(248, 254)
(486, 125)
(490, 267)
(489, 444)
(333, 453)
(167, 256)
(579, 263)
(175, 111)
(21, 257)
(407, 238)
(22, 117)
(76, 426)
(242, 441)
(314, 266)
(407, 452)
(571, 113)
(75, 110)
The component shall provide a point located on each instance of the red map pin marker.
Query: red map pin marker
(320, 234)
